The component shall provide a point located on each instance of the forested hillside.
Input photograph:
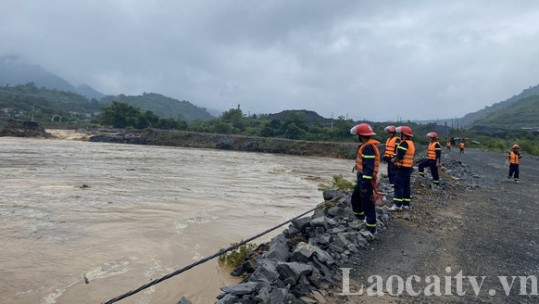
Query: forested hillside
(471, 118)
(28, 101)
(523, 113)
(162, 106)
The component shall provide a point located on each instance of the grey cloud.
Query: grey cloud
(365, 59)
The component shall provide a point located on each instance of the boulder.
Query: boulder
(293, 270)
(263, 296)
(228, 299)
(240, 289)
(278, 249)
(265, 272)
(184, 300)
(331, 194)
(278, 295)
(302, 252)
(301, 223)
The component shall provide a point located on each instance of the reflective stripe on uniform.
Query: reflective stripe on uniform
(407, 160)
(360, 156)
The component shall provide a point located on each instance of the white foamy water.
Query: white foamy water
(123, 215)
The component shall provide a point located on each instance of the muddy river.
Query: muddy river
(123, 215)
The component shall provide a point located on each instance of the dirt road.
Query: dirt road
(481, 240)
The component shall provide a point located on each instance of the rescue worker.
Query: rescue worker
(391, 144)
(448, 145)
(514, 162)
(367, 164)
(434, 155)
(461, 146)
(404, 162)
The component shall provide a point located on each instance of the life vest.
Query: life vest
(391, 145)
(514, 158)
(408, 160)
(360, 156)
(432, 150)
(448, 144)
(461, 145)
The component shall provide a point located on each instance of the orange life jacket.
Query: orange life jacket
(360, 156)
(461, 145)
(513, 158)
(432, 150)
(391, 145)
(408, 160)
(448, 144)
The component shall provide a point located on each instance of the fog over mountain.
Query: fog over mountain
(17, 70)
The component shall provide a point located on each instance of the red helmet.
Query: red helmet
(405, 130)
(363, 129)
(515, 146)
(390, 129)
(432, 135)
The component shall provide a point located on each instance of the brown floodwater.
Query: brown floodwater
(123, 215)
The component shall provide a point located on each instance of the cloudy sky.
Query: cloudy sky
(363, 59)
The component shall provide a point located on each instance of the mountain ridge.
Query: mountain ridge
(15, 70)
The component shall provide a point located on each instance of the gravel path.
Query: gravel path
(481, 225)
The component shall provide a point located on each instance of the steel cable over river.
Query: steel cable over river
(213, 256)
(124, 215)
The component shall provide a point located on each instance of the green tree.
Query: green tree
(271, 129)
(148, 119)
(234, 117)
(166, 123)
(120, 115)
(297, 119)
(292, 131)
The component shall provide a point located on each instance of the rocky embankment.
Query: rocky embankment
(225, 142)
(23, 129)
(303, 264)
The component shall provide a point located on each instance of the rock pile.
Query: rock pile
(302, 263)
(23, 129)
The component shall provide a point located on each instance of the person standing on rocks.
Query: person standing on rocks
(434, 155)
(391, 144)
(367, 164)
(514, 162)
(404, 162)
